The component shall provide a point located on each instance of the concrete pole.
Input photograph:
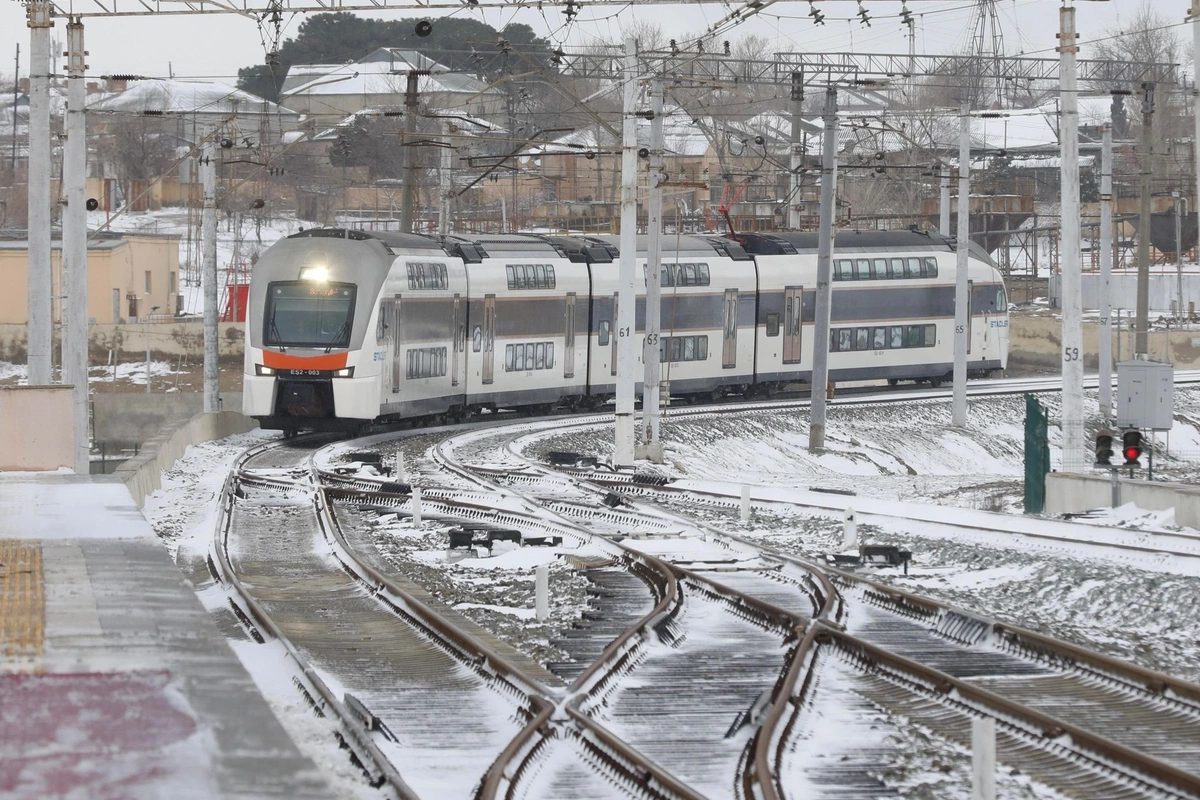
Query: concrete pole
(408, 199)
(820, 370)
(797, 162)
(944, 208)
(40, 329)
(444, 183)
(745, 512)
(75, 279)
(1194, 14)
(1179, 249)
(652, 447)
(623, 455)
(849, 529)
(962, 300)
(1072, 279)
(1106, 258)
(416, 507)
(1141, 325)
(208, 275)
(146, 337)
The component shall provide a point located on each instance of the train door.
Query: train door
(458, 338)
(793, 304)
(489, 336)
(729, 348)
(613, 328)
(394, 327)
(970, 295)
(569, 344)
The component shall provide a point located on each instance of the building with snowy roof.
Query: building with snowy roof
(381, 79)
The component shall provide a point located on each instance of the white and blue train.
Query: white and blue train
(347, 327)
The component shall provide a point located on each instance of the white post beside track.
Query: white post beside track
(542, 592)
(849, 529)
(983, 758)
(416, 507)
(745, 503)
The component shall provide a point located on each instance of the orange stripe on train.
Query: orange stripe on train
(285, 361)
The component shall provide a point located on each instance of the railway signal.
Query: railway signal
(1104, 451)
(1131, 447)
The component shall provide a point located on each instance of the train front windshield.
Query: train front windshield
(305, 314)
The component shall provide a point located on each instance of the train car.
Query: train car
(707, 310)
(348, 327)
(892, 315)
(528, 322)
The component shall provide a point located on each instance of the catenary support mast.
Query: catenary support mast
(40, 331)
(1106, 259)
(652, 447)
(962, 302)
(1072, 295)
(820, 371)
(75, 278)
(623, 455)
(208, 274)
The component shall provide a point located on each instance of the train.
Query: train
(345, 327)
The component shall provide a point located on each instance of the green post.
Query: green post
(1037, 455)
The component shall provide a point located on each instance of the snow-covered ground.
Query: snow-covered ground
(900, 452)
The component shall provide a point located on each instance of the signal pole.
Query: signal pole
(74, 251)
(1072, 280)
(40, 332)
(820, 371)
(652, 446)
(1106, 258)
(623, 455)
(962, 300)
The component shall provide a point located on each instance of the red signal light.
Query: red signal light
(1131, 447)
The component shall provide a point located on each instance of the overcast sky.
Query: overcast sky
(215, 46)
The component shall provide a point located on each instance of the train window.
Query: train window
(425, 362)
(896, 337)
(862, 339)
(930, 267)
(879, 338)
(602, 332)
(477, 339)
(540, 275)
(773, 323)
(689, 274)
(427, 275)
(880, 269)
(530, 356)
(689, 348)
(512, 276)
(509, 356)
(930, 335)
(896, 268)
(864, 269)
(549, 355)
(518, 357)
(914, 268)
(701, 348)
(1001, 302)
(702, 275)
(915, 336)
(846, 270)
(845, 339)
(683, 348)
(540, 356)
(676, 348)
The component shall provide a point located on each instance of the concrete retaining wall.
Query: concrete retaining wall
(124, 420)
(1037, 342)
(1072, 493)
(35, 428)
(143, 473)
(169, 339)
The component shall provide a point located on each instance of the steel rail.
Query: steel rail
(360, 741)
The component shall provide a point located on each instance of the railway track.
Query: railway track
(1153, 718)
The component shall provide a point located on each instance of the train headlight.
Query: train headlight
(317, 274)
(262, 371)
(347, 372)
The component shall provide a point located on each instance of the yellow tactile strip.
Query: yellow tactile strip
(22, 603)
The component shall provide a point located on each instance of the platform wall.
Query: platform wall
(143, 473)
(1073, 493)
(33, 437)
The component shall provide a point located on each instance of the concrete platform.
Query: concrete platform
(114, 681)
